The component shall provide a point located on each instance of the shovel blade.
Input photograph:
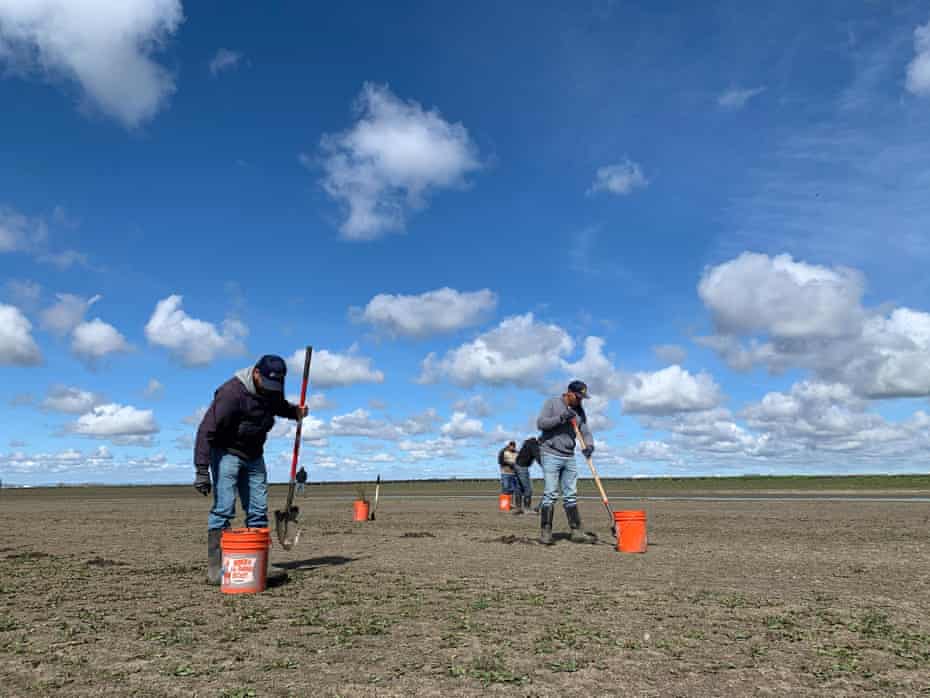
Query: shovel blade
(286, 527)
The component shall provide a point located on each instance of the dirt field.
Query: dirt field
(102, 593)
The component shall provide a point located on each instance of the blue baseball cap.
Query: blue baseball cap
(579, 388)
(272, 370)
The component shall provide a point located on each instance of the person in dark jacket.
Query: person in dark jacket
(230, 445)
(526, 456)
(301, 479)
(557, 451)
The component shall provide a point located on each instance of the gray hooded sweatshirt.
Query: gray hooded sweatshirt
(558, 434)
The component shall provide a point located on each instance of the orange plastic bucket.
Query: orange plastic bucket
(503, 502)
(359, 510)
(245, 560)
(631, 531)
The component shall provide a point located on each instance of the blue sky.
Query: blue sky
(715, 215)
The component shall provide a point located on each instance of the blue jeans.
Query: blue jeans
(560, 473)
(231, 473)
(507, 483)
(524, 485)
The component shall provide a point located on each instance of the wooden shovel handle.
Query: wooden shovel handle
(597, 479)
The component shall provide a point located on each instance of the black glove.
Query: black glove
(587, 451)
(202, 481)
(567, 416)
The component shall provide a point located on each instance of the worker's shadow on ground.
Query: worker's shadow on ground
(314, 562)
(282, 578)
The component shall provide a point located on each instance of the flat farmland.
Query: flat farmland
(750, 587)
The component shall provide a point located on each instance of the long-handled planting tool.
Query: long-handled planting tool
(286, 520)
(597, 479)
(371, 516)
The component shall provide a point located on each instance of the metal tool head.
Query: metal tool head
(286, 526)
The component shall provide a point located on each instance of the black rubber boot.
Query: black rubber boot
(214, 556)
(574, 522)
(528, 504)
(517, 505)
(545, 523)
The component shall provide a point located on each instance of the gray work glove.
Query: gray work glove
(587, 451)
(202, 481)
(567, 416)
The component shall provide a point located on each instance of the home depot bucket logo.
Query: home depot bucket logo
(240, 570)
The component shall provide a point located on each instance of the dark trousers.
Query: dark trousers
(523, 487)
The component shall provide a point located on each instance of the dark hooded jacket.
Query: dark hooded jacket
(239, 419)
(529, 452)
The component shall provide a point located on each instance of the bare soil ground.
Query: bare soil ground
(102, 593)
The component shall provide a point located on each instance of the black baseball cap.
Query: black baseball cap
(579, 388)
(272, 369)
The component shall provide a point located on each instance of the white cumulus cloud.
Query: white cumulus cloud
(790, 299)
(106, 47)
(390, 160)
(519, 351)
(597, 370)
(17, 347)
(194, 342)
(334, 370)
(891, 357)
(782, 314)
(670, 390)
(826, 417)
(433, 312)
(96, 339)
(120, 423)
(461, 426)
(621, 179)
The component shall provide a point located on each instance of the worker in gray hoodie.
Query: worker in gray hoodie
(557, 454)
(230, 449)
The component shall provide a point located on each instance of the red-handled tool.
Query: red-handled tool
(285, 521)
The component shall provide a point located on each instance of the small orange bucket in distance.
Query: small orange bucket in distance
(359, 510)
(631, 531)
(245, 560)
(503, 502)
